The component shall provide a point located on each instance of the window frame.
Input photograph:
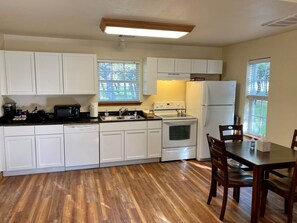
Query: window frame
(137, 82)
(251, 98)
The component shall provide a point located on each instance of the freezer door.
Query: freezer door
(212, 117)
(219, 92)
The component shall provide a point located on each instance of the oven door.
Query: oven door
(178, 133)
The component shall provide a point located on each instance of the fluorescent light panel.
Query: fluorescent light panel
(141, 28)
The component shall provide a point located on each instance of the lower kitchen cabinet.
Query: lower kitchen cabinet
(111, 146)
(135, 144)
(20, 152)
(154, 142)
(50, 151)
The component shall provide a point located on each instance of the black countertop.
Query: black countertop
(84, 119)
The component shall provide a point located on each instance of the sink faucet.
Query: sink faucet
(122, 110)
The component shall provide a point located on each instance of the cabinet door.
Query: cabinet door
(50, 151)
(150, 74)
(199, 67)
(20, 153)
(49, 78)
(214, 66)
(154, 143)
(20, 73)
(182, 66)
(2, 76)
(166, 65)
(135, 144)
(80, 73)
(111, 146)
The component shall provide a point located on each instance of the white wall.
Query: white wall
(167, 90)
(282, 105)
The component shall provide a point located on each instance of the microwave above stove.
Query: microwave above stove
(67, 112)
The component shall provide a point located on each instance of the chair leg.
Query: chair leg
(290, 211)
(266, 174)
(286, 203)
(213, 188)
(236, 193)
(263, 201)
(224, 203)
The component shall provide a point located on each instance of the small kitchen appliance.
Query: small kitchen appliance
(179, 131)
(212, 103)
(9, 110)
(67, 112)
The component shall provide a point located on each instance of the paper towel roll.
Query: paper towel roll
(94, 110)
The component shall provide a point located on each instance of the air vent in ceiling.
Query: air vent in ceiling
(283, 22)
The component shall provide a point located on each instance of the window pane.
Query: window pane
(257, 89)
(118, 81)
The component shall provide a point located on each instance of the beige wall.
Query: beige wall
(282, 105)
(167, 90)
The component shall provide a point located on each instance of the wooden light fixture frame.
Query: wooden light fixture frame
(144, 25)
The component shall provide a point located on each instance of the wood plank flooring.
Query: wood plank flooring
(157, 192)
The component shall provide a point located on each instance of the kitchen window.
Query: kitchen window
(118, 81)
(257, 89)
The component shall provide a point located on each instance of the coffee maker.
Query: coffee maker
(9, 110)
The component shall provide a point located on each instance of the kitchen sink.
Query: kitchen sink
(121, 118)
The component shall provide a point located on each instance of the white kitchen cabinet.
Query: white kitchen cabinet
(166, 65)
(111, 146)
(154, 142)
(150, 74)
(214, 66)
(49, 76)
(121, 141)
(135, 144)
(20, 73)
(182, 66)
(49, 146)
(81, 146)
(19, 143)
(80, 73)
(2, 75)
(2, 158)
(199, 66)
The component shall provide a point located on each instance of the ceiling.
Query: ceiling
(218, 22)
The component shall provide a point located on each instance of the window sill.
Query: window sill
(250, 136)
(127, 103)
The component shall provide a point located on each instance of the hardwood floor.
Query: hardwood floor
(157, 192)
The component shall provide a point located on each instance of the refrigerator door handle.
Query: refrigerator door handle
(206, 115)
(206, 93)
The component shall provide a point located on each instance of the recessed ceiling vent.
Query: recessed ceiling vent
(283, 22)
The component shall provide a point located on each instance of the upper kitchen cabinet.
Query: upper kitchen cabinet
(150, 73)
(49, 76)
(182, 66)
(201, 66)
(2, 74)
(166, 65)
(214, 66)
(20, 73)
(80, 72)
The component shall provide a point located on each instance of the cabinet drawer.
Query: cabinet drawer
(18, 130)
(119, 126)
(48, 129)
(154, 124)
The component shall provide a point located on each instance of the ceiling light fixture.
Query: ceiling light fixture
(142, 28)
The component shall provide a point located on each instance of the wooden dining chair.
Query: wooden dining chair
(287, 171)
(286, 188)
(220, 173)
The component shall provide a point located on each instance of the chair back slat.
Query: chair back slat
(232, 133)
(294, 140)
(218, 156)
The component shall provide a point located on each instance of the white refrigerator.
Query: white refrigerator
(212, 103)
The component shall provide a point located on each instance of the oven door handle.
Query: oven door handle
(178, 122)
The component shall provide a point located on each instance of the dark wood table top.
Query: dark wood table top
(277, 155)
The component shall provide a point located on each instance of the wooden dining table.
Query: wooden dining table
(278, 157)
